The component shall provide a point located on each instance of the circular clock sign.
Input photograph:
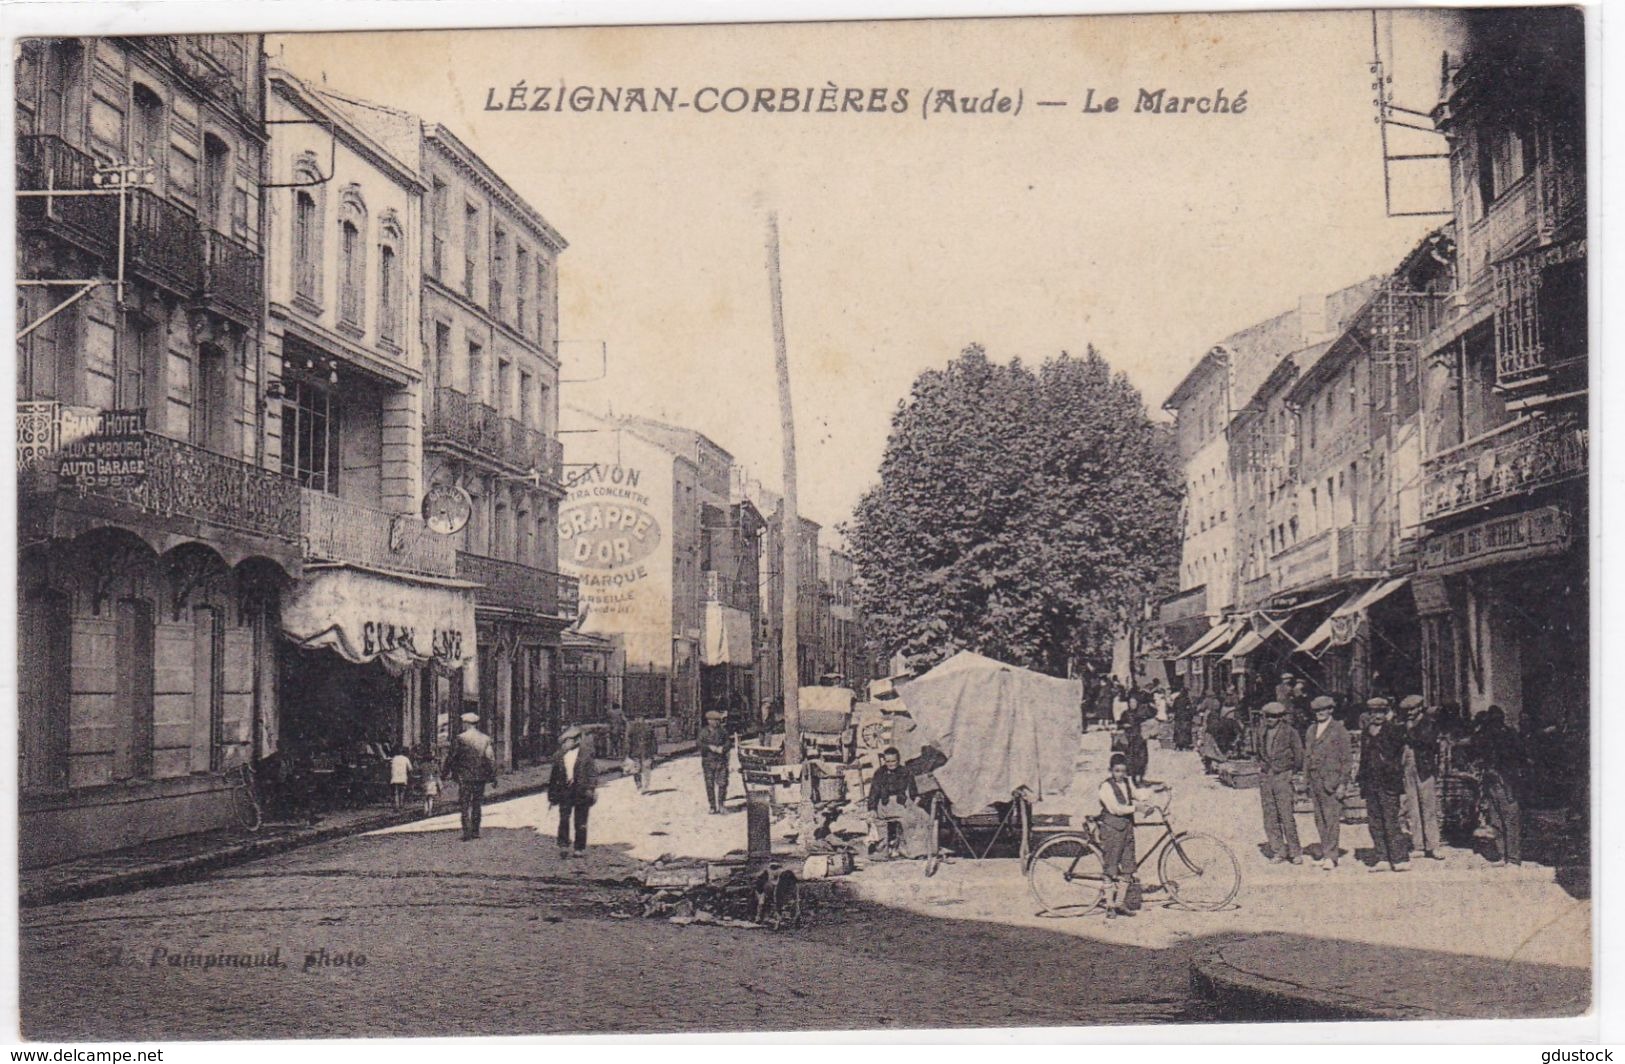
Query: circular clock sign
(447, 509)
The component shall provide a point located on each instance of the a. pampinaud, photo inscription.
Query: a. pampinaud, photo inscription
(792, 527)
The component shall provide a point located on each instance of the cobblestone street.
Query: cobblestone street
(499, 936)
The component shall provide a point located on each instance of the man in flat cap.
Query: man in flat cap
(472, 761)
(1421, 776)
(1280, 754)
(1382, 781)
(1326, 760)
(714, 759)
(573, 787)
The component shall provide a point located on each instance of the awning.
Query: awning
(366, 616)
(1249, 642)
(1208, 642)
(726, 636)
(1340, 627)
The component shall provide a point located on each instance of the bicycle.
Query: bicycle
(1198, 871)
(245, 803)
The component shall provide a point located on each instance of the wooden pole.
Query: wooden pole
(789, 514)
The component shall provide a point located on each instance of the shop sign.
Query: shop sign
(1530, 534)
(1430, 595)
(113, 454)
(366, 617)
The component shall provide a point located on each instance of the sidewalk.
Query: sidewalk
(1291, 977)
(185, 857)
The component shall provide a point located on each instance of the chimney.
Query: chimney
(1312, 323)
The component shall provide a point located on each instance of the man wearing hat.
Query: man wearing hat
(1280, 754)
(573, 787)
(1421, 776)
(472, 761)
(1327, 755)
(1382, 781)
(714, 759)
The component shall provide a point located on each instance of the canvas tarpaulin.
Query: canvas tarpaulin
(727, 637)
(366, 616)
(1000, 726)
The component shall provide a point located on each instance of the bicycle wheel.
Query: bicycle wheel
(245, 807)
(1066, 877)
(1199, 871)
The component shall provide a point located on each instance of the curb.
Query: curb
(195, 866)
(1242, 994)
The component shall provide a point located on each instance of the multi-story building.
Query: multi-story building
(156, 531)
(375, 620)
(841, 639)
(1502, 578)
(770, 643)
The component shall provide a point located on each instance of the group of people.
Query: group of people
(1396, 761)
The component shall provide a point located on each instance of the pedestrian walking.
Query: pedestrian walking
(1382, 782)
(1327, 756)
(1280, 754)
(1130, 742)
(400, 773)
(573, 788)
(617, 732)
(1184, 714)
(640, 748)
(1119, 701)
(714, 744)
(472, 762)
(1421, 776)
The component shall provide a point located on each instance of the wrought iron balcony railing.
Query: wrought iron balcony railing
(461, 421)
(1516, 459)
(47, 162)
(162, 242)
(339, 530)
(233, 274)
(183, 481)
(519, 587)
(1343, 553)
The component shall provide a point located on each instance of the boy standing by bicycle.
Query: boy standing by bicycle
(1118, 806)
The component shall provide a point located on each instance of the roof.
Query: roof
(448, 142)
(292, 88)
(1213, 360)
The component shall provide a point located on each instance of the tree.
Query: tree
(1025, 515)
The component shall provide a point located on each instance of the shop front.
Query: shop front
(370, 662)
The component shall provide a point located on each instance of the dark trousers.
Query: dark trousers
(716, 783)
(1328, 819)
(1280, 824)
(470, 797)
(1509, 821)
(578, 812)
(1382, 816)
(1117, 858)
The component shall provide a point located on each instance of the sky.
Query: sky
(905, 238)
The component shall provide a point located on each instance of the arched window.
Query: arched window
(147, 131)
(308, 226)
(391, 292)
(352, 258)
(217, 183)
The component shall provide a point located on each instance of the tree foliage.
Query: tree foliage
(1022, 514)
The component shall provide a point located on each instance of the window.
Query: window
(442, 354)
(499, 268)
(388, 295)
(64, 67)
(217, 183)
(504, 397)
(541, 301)
(526, 409)
(45, 356)
(1505, 156)
(306, 252)
(471, 246)
(1292, 525)
(147, 134)
(310, 450)
(437, 241)
(521, 287)
(1314, 426)
(210, 405)
(133, 672)
(476, 371)
(352, 285)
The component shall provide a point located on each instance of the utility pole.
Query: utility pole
(789, 514)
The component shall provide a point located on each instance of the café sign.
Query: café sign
(367, 617)
(1530, 534)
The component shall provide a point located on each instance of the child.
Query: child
(431, 786)
(400, 771)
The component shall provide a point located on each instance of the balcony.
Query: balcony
(338, 530)
(1345, 553)
(1514, 460)
(162, 243)
(472, 426)
(45, 162)
(232, 276)
(188, 488)
(518, 587)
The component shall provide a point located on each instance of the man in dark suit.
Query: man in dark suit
(472, 762)
(1382, 782)
(573, 787)
(1326, 760)
(1280, 754)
